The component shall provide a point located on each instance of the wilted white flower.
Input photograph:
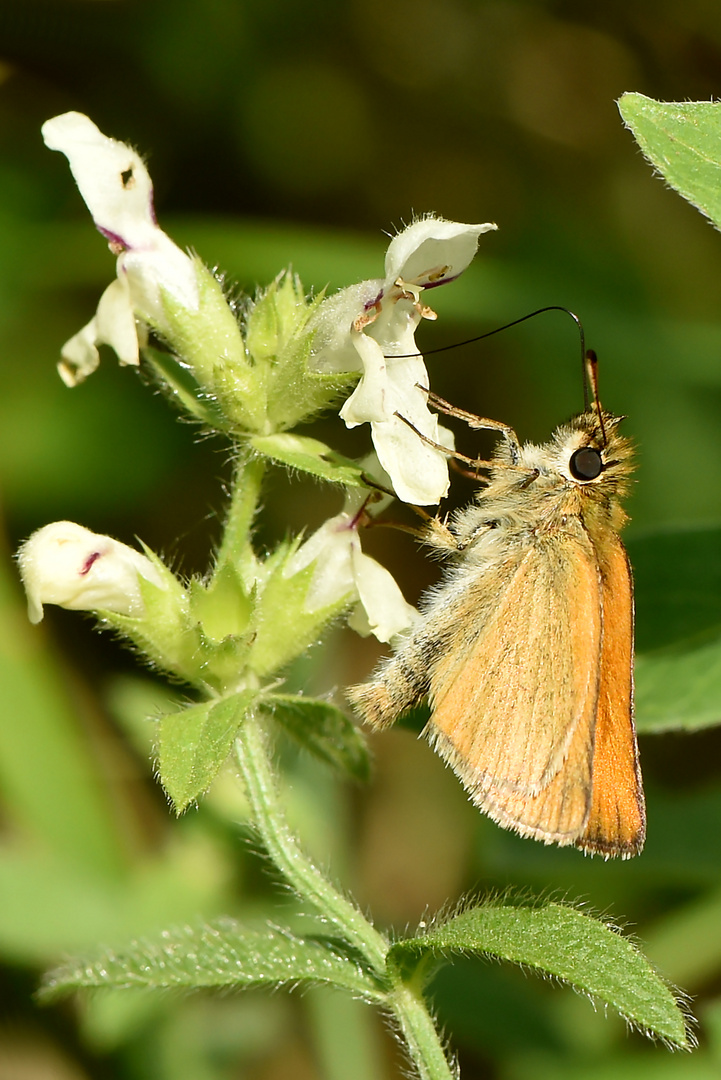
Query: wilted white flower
(67, 564)
(118, 191)
(342, 570)
(372, 326)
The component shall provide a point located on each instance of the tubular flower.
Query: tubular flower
(67, 564)
(118, 191)
(342, 570)
(371, 326)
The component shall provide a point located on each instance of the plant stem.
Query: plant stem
(235, 546)
(420, 1034)
(413, 1020)
(285, 851)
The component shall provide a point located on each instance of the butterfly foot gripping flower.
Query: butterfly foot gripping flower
(371, 326)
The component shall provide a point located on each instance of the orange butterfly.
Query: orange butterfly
(525, 650)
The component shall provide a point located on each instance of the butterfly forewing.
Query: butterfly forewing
(617, 821)
(521, 702)
(559, 812)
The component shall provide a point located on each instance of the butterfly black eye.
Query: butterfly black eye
(586, 464)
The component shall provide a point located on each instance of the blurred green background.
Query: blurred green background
(287, 133)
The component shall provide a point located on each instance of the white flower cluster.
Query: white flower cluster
(369, 327)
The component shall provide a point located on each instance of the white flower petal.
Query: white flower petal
(332, 326)
(395, 326)
(418, 471)
(67, 564)
(115, 322)
(370, 399)
(112, 178)
(79, 355)
(343, 572)
(390, 387)
(385, 612)
(432, 251)
(377, 321)
(118, 191)
(330, 549)
(159, 266)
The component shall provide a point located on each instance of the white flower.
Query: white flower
(67, 564)
(374, 323)
(342, 570)
(118, 191)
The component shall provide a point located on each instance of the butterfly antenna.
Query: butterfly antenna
(590, 384)
(498, 329)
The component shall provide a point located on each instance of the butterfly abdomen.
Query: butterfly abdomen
(400, 683)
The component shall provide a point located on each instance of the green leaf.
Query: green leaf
(323, 730)
(677, 576)
(560, 941)
(221, 954)
(310, 456)
(683, 141)
(194, 743)
(679, 688)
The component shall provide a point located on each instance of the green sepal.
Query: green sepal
(310, 456)
(164, 632)
(557, 940)
(222, 606)
(683, 141)
(209, 633)
(209, 340)
(194, 743)
(279, 341)
(284, 628)
(179, 384)
(221, 954)
(322, 729)
(182, 629)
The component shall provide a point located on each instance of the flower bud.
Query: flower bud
(67, 564)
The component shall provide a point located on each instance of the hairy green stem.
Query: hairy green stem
(285, 851)
(235, 546)
(420, 1034)
(404, 1000)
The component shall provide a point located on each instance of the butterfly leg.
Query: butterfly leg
(478, 423)
(475, 462)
